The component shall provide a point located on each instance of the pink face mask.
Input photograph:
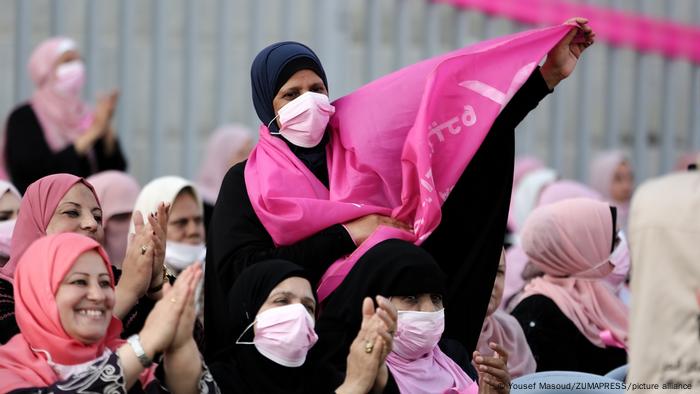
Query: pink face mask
(417, 333)
(70, 78)
(304, 119)
(620, 258)
(283, 334)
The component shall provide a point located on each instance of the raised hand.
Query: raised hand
(562, 59)
(158, 223)
(162, 324)
(192, 275)
(493, 371)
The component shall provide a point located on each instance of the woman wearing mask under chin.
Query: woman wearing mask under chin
(185, 237)
(422, 361)
(56, 132)
(272, 315)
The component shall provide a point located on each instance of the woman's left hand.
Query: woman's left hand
(562, 59)
(493, 371)
(159, 225)
(191, 276)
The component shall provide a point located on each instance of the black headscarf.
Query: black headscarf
(272, 67)
(246, 370)
(390, 268)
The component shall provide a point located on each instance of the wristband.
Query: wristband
(135, 342)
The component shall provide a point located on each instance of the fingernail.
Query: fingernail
(479, 359)
(483, 367)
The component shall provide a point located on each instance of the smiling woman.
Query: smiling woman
(69, 340)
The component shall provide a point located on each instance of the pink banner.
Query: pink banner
(615, 27)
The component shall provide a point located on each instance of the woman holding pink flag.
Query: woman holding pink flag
(327, 182)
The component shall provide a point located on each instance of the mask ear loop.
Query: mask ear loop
(238, 341)
(270, 122)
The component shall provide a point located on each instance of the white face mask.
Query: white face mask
(304, 119)
(283, 334)
(179, 256)
(417, 333)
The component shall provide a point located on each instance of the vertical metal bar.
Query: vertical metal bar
(668, 119)
(189, 102)
(57, 17)
(489, 28)
(461, 28)
(91, 48)
(23, 35)
(329, 41)
(641, 125)
(222, 102)
(401, 33)
(583, 133)
(556, 124)
(157, 132)
(612, 92)
(126, 13)
(289, 9)
(373, 20)
(255, 44)
(694, 107)
(432, 30)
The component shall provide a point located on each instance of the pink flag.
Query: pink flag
(398, 145)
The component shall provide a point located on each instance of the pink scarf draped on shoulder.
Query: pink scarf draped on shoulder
(505, 330)
(433, 373)
(26, 357)
(570, 241)
(397, 146)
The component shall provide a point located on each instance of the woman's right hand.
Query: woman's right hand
(375, 335)
(192, 275)
(361, 228)
(137, 266)
(101, 123)
(162, 323)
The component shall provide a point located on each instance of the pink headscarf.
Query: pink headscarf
(42, 338)
(602, 173)
(505, 330)
(226, 142)
(571, 241)
(63, 119)
(38, 206)
(116, 191)
(516, 257)
(430, 374)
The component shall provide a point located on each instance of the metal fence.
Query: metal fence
(182, 68)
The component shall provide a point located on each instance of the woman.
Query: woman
(290, 95)
(66, 203)
(116, 192)
(611, 175)
(185, 235)
(56, 131)
(519, 270)
(9, 201)
(272, 313)
(502, 328)
(229, 145)
(414, 284)
(571, 318)
(69, 339)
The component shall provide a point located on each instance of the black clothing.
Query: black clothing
(8, 324)
(557, 343)
(240, 368)
(467, 243)
(29, 158)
